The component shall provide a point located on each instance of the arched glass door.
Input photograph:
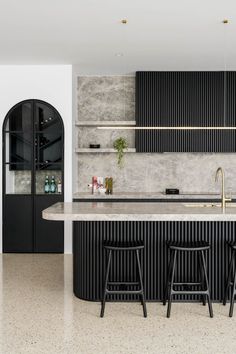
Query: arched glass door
(33, 165)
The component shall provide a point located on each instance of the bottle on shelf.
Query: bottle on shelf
(59, 186)
(46, 185)
(53, 186)
(109, 185)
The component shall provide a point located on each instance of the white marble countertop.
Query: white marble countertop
(148, 195)
(115, 211)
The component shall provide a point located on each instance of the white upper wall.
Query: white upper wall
(50, 83)
(160, 35)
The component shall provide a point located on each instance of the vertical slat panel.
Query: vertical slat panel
(180, 99)
(90, 259)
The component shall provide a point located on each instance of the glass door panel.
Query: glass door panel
(33, 130)
(48, 138)
(46, 118)
(20, 118)
(48, 148)
(18, 179)
(18, 145)
(18, 148)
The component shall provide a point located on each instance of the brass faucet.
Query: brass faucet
(223, 197)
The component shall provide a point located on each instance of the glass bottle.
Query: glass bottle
(109, 185)
(46, 185)
(59, 186)
(53, 185)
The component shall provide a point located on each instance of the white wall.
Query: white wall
(50, 83)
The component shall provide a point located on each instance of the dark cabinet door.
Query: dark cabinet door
(18, 223)
(49, 235)
(182, 99)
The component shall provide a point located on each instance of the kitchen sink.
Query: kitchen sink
(208, 205)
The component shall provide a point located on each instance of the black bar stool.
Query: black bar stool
(124, 247)
(231, 280)
(198, 247)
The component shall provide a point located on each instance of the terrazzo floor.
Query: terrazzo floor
(39, 314)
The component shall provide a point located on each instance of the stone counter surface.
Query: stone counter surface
(150, 195)
(112, 211)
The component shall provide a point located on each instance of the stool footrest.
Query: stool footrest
(189, 292)
(123, 292)
(113, 283)
(189, 284)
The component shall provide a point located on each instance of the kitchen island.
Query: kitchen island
(154, 224)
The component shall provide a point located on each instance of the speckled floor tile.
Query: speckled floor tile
(40, 314)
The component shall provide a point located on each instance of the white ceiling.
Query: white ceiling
(160, 35)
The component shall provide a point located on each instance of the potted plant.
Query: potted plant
(120, 145)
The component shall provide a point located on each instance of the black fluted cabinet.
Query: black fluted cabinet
(186, 99)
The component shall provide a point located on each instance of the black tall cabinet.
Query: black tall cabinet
(33, 148)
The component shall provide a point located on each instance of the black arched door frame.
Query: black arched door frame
(41, 200)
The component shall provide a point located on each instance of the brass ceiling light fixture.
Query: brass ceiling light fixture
(225, 22)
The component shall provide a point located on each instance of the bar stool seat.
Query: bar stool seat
(189, 246)
(119, 246)
(123, 246)
(170, 290)
(231, 280)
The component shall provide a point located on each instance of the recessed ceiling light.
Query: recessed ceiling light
(124, 21)
(119, 54)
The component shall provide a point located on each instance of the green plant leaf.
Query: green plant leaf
(120, 145)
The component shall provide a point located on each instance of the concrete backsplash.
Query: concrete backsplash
(102, 98)
(191, 173)
(106, 98)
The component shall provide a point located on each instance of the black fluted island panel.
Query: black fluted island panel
(89, 257)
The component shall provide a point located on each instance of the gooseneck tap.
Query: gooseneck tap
(223, 197)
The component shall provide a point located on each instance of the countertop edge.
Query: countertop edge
(138, 217)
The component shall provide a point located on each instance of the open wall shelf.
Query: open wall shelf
(102, 150)
(107, 123)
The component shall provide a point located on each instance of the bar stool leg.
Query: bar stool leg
(171, 284)
(231, 310)
(105, 285)
(229, 277)
(207, 285)
(201, 272)
(141, 285)
(168, 278)
(138, 277)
